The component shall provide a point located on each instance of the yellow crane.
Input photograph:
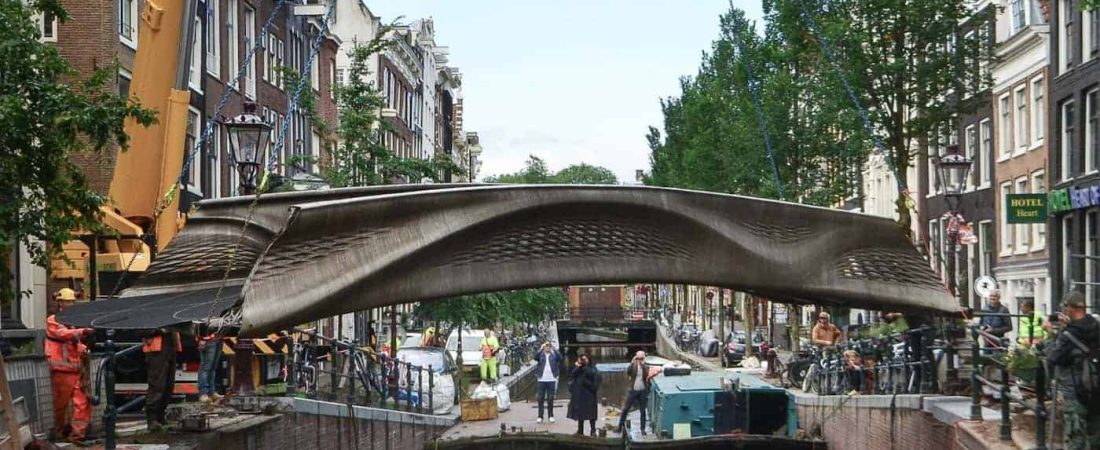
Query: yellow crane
(142, 214)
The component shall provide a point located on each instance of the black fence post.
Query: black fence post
(420, 389)
(975, 385)
(109, 416)
(431, 388)
(1041, 407)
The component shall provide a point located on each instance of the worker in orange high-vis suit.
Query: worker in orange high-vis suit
(66, 353)
(160, 347)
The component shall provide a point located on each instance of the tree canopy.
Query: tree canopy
(49, 113)
(536, 171)
(901, 58)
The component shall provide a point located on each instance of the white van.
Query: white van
(471, 347)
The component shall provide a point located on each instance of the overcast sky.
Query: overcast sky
(568, 80)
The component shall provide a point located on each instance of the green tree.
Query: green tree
(490, 309)
(49, 114)
(536, 171)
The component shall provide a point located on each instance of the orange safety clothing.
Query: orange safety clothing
(153, 344)
(63, 347)
(67, 387)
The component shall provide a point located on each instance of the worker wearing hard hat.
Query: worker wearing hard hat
(66, 354)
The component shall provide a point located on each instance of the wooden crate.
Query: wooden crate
(481, 409)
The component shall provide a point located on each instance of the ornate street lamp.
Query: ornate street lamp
(952, 170)
(248, 140)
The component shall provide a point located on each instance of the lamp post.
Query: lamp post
(952, 170)
(248, 141)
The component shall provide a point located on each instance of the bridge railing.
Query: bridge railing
(889, 363)
(998, 353)
(363, 376)
(608, 313)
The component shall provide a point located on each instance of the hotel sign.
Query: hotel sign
(1074, 198)
(1026, 208)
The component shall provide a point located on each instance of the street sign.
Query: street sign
(1026, 208)
(985, 285)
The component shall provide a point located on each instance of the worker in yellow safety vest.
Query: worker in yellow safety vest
(488, 365)
(1031, 325)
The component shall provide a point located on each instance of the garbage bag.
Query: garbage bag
(504, 399)
(483, 390)
(750, 363)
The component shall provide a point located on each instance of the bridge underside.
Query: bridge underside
(306, 256)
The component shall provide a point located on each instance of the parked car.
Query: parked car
(441, 385)
(412, 340)
(471, 348)
(708, 344)
(733, 351)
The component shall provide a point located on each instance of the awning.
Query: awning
(151, 311)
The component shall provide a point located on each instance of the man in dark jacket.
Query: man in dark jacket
(549, 365)
(1080, 421)
(638, 377)
(1000, 323)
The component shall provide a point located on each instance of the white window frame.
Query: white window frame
(1022, 231)
(233, 41)
(984, 245)
(1065, 60)
(985, 147)
(1067, 259)
(234, 180)
(123, 73)
(315, 73)
(1038, 110)
(40, 21)
(1018, 16)
(1007, 237)
(1004, 125)
(1092, 127)
(213, 38)
(194, 73)
(970, 148)
(130, 39)
(1086, 36)
(1038, 230)
(1090, 223)
(250, 41)
(194, 172)
(1066, 127)
(1021, 119)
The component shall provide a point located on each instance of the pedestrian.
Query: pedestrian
(160, 347)
(66, 355)
(1075, 346)
(1031, 324)
(210, 352)
(488, 364)
(997, 322)
(584, 391)
(548, 367)
(824, 333)
(639, 379)
(853, 369)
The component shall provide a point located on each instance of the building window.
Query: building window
(232, 48)
(233, 178)
(1066, 11)
(1094, 32)
(971, 147)
(315, 74)
(274, 60)
(985, 241)
(1038, 110)
(1092, 128)
(194, 173)
(124, 78)
(1005, 124)
(1067, 155)
(1007, 235)
(47, 26)
(213, 38)
(194, 74)
(212, 145)
(249, 42)
(984, 163)
(127, 22)
(1022, 118)
(334, 79)
(1038, 230)
(1022, 231)
(1088, 34)
(1019, 16)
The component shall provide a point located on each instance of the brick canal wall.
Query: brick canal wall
(874, 422)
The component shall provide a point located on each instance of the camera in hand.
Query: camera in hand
(1053, 318)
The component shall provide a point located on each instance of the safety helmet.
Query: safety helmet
(66, 294)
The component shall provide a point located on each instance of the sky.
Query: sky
(569, 81)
